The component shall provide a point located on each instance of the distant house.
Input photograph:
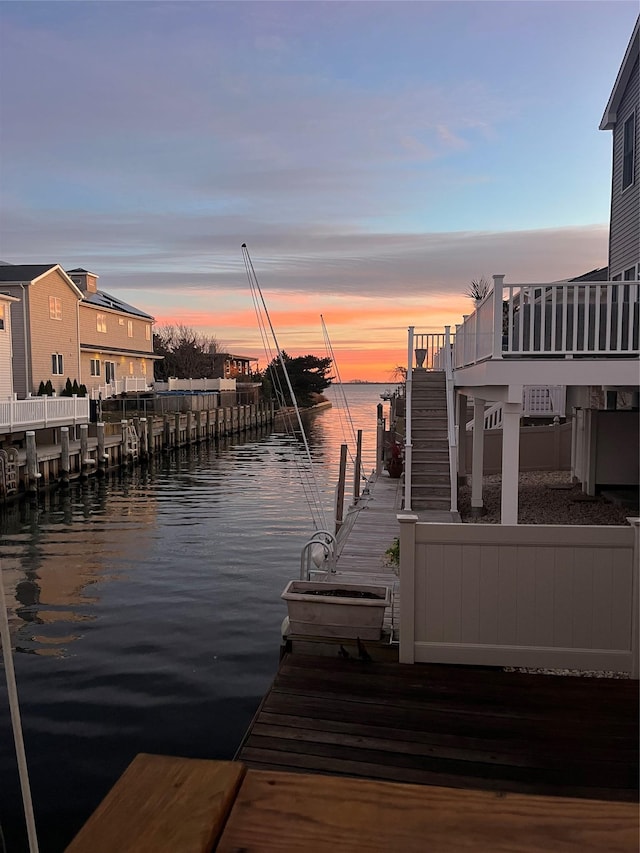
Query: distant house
(44, 325)
(230, 366)
(621, 117)
(6, 348)
(116, 339)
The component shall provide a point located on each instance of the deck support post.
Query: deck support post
(511, 414)
(461, 407)
(477, 465)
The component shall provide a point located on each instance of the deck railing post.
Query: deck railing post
(407, 442)
(498, 284)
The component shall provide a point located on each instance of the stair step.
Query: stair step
(435, 503)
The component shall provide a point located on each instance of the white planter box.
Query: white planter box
(345, 615)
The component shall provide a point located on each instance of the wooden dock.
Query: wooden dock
(460, 727)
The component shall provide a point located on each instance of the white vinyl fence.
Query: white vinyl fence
(527, 595)
(41, 412)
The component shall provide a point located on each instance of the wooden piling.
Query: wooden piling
(144, 439)
(166, 432)
(102, 456)
(33, 474)
(342, 476)
(357, 467)
(65, 459)
(85, 462)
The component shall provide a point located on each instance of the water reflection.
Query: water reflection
(147, 609)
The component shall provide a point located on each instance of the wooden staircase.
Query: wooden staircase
(430, 476)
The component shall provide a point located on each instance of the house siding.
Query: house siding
(6, 370)
(101, 345)
(624, 235)
(53, 336)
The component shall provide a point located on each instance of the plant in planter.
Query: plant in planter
(335, 609)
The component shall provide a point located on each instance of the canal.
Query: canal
(145, 608)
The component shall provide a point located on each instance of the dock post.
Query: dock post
(208, 424)
(124, 445)
(151, 442)
(166, 432)
(342, 476)
(198, 426)
(379, 440)
(84, 451)
(189, 426)
(176, 430)
(102, 456)
(33, 474)
(65, 457)
(357, 467)
(144, 439)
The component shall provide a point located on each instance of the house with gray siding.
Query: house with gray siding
(622, 117)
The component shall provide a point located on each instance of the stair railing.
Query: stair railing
(451, 420)
(408, 447)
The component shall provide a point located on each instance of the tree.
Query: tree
(187, 354)
(307, 374)
(478, 289)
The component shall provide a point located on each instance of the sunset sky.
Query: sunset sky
(374, 156)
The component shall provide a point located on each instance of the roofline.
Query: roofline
(116, 351)
(609, 118)
(6, 298)
(73, 287)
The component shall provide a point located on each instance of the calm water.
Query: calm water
(145, 609)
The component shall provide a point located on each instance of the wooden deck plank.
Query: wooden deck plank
(464, 726)
(163, 804)
(281, 811)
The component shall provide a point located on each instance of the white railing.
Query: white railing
(129, 384)
(555, 319)
(428, 350)
(557, 596)
(538, 401)
(40, 412)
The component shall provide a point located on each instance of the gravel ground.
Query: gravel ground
(542, 502)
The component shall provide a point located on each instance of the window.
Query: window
(55, 308)
(101, 322)
(630, 274)
(143, 365)
(57, 364)
(2, 309)
(130, 368)
(628, 151)
(147, 332)
(109, 371)
(95, 367)
(120, 321)
(130, 328)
